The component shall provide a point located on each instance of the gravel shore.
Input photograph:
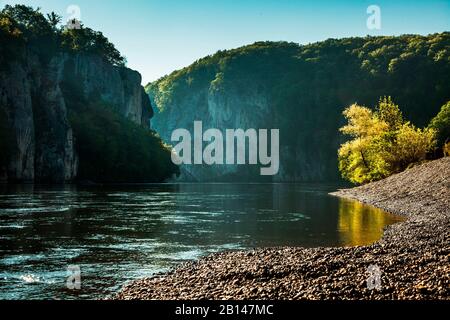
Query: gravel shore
(413, 256)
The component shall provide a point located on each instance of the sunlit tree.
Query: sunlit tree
(382, 142)
(411, 146)
(359, 160)
(390, 113)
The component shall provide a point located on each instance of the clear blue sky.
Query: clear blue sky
(160, 36)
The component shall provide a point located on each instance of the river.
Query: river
(116, 234)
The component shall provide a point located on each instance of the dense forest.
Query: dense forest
(25, 28)
(303, 90)
(69, 108)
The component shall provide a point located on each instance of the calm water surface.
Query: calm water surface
(117, 234)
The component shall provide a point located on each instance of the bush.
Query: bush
(411, 145)
(383, 143)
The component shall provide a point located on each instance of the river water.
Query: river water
(116, 234)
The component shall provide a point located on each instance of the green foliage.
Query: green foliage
(33, 29)
(383, 143)
(112, 148)
(89, 41)
(359, 158)
(441, 123)
(390, 113)
(11, 40)
(45, 36)
(340, 71)
(54, 19)
(306, 86)
(32, 24)
(410, 145)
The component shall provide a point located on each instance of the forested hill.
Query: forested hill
(69, 108)
(302, 90)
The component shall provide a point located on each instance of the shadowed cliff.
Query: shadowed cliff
(70, 109)
(301, 90)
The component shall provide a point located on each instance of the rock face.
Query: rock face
(33, 101)
(246, 106)
(215, 109)
(302, 91)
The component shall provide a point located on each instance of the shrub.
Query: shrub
(383, 143)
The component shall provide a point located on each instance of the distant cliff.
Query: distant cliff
(301, 90)
(69, 109)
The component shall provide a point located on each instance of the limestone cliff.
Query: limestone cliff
(33, 102)
(302, 91)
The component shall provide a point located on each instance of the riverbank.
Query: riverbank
(413, 256)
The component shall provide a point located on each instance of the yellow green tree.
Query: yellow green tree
(359, 160)
(382, 142)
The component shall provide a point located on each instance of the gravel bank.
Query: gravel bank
(413, 255)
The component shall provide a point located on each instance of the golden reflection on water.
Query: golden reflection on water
(360, 224)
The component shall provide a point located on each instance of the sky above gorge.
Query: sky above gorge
(160, 36)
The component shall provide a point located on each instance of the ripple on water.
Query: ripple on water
(22, 259)
(13, 226)
(192, 254)
(35, 210)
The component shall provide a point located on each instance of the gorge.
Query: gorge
(71, 111)
(301, 90)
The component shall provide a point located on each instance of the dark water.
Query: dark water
(117, 234)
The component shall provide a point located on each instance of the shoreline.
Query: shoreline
(412, 255)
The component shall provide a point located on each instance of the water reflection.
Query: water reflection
(360, 224)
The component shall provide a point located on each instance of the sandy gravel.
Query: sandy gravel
(413, 256)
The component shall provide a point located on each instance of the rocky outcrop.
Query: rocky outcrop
(33, 102)
(120, 87)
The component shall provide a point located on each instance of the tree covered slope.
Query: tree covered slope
(302, 90)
